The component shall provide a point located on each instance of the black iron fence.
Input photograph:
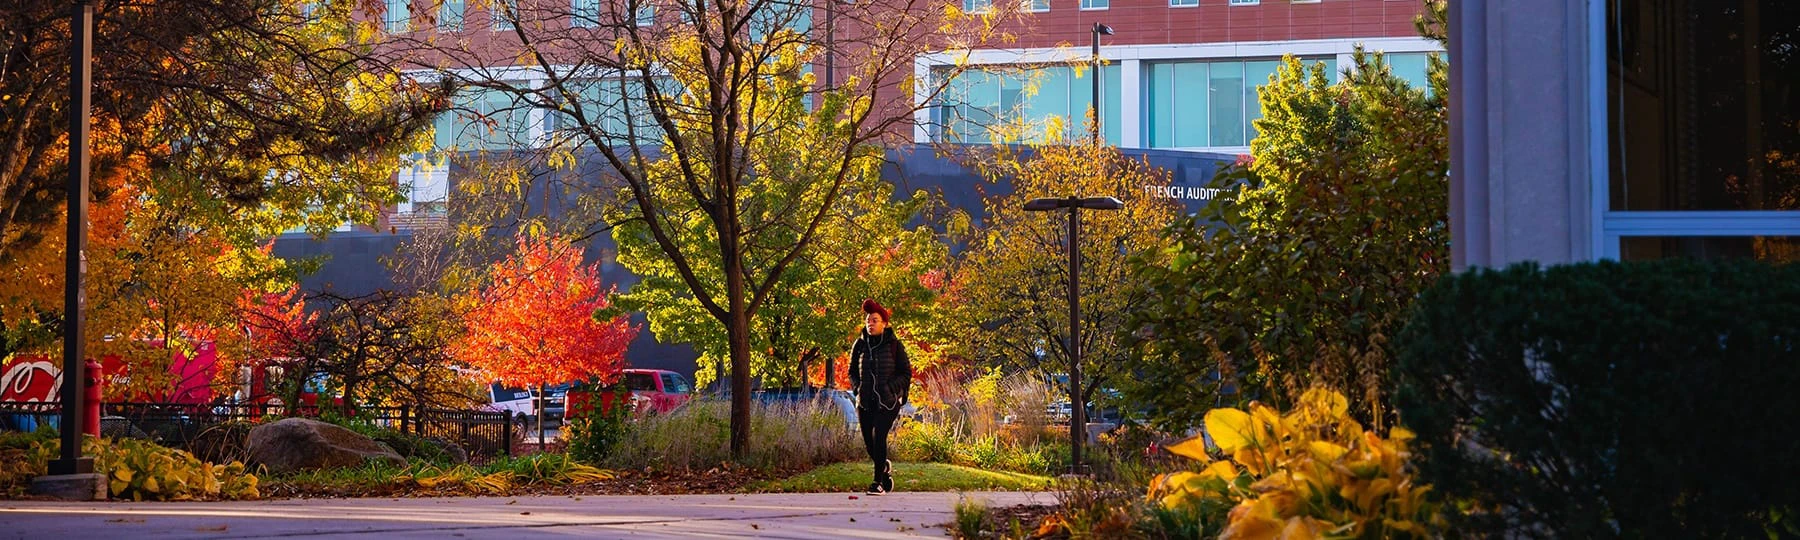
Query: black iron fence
(483, 434)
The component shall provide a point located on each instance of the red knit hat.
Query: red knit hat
(871, 306)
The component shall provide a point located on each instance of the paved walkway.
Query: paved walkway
(807, 515)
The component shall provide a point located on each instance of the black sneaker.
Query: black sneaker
(887, 477)
(875, 488)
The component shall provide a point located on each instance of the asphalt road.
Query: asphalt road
(807, 515)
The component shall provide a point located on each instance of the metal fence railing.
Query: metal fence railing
(483, 434)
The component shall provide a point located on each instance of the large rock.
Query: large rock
(295, 444)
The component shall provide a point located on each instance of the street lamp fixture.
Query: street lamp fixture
(1077, 405)
(1094, 104)
(81, 54)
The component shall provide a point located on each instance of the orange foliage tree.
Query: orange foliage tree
(535, 324)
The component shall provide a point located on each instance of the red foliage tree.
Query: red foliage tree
(535, 324)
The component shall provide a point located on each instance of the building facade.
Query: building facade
(1624, 129)
(1178, 75)
(1179, 90)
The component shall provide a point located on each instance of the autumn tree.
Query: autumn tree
(863, 249)
(158, 292)
(1305, 271)
(216, 125)
(252, 116)
(370, 349)
(537, 320)
(1011, 295)
(675, 124)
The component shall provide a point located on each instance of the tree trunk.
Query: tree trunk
(543, 398)
(738, 334)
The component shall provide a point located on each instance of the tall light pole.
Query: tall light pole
(830, 82)
(1094, 105)
(1077, 405)
(81, 54)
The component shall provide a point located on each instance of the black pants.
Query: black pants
(876, 423)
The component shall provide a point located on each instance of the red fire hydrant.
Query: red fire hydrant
(90, 395)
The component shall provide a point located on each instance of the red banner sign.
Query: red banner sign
(30, 379)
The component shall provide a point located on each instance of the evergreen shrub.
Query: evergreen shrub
(1649, 399)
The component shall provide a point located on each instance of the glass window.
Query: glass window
(615, 108)
(1225, 89)
(483, 120)
(1037, 5)
(646, 14)
(674, 383)
(1082, 92)
(398, 16)
(640, 382)
(976, 6)
(1183, 3)
(504, 13)
(1774, 249)
(1411, 67)
(1702, 106)
(450, 16)
(1190, 117)
(1245, 2)
(1177, 116)
(1052, 100)
(584, 13)
(1095, 4)
(981, 103)
(1256, 75)
(1160, 99)
(779, 14)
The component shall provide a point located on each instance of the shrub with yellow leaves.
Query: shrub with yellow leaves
(1312, 472)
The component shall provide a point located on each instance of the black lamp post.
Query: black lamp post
(1077, 405)
(830, 85)
(1094, 105)
(81, 53)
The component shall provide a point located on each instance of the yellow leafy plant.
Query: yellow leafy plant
(1312, 472)
(142, 470)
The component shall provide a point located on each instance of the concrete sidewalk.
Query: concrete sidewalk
(805, 515)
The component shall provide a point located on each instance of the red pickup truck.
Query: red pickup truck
(652, 390)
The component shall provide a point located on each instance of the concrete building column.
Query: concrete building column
(1521, 136)
(1131, 103)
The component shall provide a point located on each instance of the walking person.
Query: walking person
(882, 376)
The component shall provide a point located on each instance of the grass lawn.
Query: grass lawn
(855, 477)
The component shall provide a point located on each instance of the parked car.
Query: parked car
(657, 390)
(523, 402)
(1059, 411)
(651, 390)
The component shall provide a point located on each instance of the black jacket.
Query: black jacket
(879, 371)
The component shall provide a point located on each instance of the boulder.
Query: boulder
(295, 444)
(450, 451)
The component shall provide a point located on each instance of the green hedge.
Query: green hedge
(1657, 399)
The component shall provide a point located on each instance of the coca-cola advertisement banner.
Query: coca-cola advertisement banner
(29, 379)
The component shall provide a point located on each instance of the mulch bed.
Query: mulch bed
(1029, 516)
(641, 482)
